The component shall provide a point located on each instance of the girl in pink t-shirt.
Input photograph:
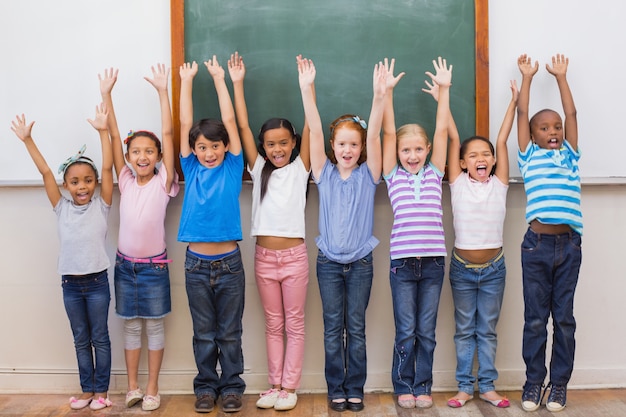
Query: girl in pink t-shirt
(142, 287)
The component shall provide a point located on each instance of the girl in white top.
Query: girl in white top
(280, 177)
(478, 189)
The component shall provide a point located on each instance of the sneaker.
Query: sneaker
(151, 402)
(531, 397)
(268, 398)
(204, 403)
(231, 403)
(286, 401)
(133, 397)
(557, 397)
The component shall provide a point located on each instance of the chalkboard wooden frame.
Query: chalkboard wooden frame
(481, 62)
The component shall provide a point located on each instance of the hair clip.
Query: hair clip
(355, 119)
(129, 136)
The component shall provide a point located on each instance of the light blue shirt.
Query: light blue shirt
(346, 213)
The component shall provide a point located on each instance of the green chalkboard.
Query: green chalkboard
(345, 38)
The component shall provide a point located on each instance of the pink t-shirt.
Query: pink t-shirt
(142, 213)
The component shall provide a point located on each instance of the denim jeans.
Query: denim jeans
(87, 299)
(415, 289)
(345, 292)
(215, 291)
(477, 292)
(550, 267)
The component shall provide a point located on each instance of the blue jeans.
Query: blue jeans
(215, 291)
(477, 292)
(345, 292)
(550, 267)
(87, 299)
(415, 289)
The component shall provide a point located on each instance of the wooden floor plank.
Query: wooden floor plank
(580, 403)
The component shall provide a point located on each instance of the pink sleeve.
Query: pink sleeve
(126, 177)
(175, 188)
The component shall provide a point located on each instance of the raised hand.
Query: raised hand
(443, 73)
(236, 67)
(188, 70)
(20, 128)
(433, 89)
(559, 65)
(160, 77)
(306, 71)
(107, 81)
(514, 91)
(100, 121)
(525, 66)
(214, 68)
(392, 80)
(380, 79)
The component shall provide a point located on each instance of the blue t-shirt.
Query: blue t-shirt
(211, 203)
(346, 213)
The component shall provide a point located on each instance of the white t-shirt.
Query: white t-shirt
(281, 213)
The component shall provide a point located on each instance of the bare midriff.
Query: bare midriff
(278, 243)
(549, 229)
(477, 256)
(213, 248)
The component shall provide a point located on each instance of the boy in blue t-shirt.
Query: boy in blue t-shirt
(212, 163)
(551, 250)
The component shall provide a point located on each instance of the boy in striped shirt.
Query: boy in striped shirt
(551, 250)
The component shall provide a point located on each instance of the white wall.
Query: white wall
(37, 353)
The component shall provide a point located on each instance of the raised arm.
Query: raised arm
(23, 132)
(107, 82)
(159, 80)
(523, 119)
(306, 78)
(502, 152)
(443, 78)
(389, 152)
(100, 123)
(226, 105)
(187, 72)
(454, 140)
(559, 70)
(374, 152)
(305, 143)
(237, 71)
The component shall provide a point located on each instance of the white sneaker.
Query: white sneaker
(268, 398)
(286, 401)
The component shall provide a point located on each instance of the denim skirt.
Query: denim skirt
(142, 289)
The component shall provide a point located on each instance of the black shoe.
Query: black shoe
(231, 403)
(557, 397)
(204, 403)
(336, 406)
(355, 406)
(531, 397)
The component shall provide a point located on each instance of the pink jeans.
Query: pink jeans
(282, 277)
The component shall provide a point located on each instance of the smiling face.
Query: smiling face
(278, 145)
(80, 180)
(546, 129)
(347, 145)
(143, 156)
(413, 151)
(477, 159)
(209, 153)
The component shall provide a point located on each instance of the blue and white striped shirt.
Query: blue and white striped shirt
(552, 184)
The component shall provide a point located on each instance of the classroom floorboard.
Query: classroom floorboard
(580, 403)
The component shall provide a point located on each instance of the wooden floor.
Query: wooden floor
(580, 403)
